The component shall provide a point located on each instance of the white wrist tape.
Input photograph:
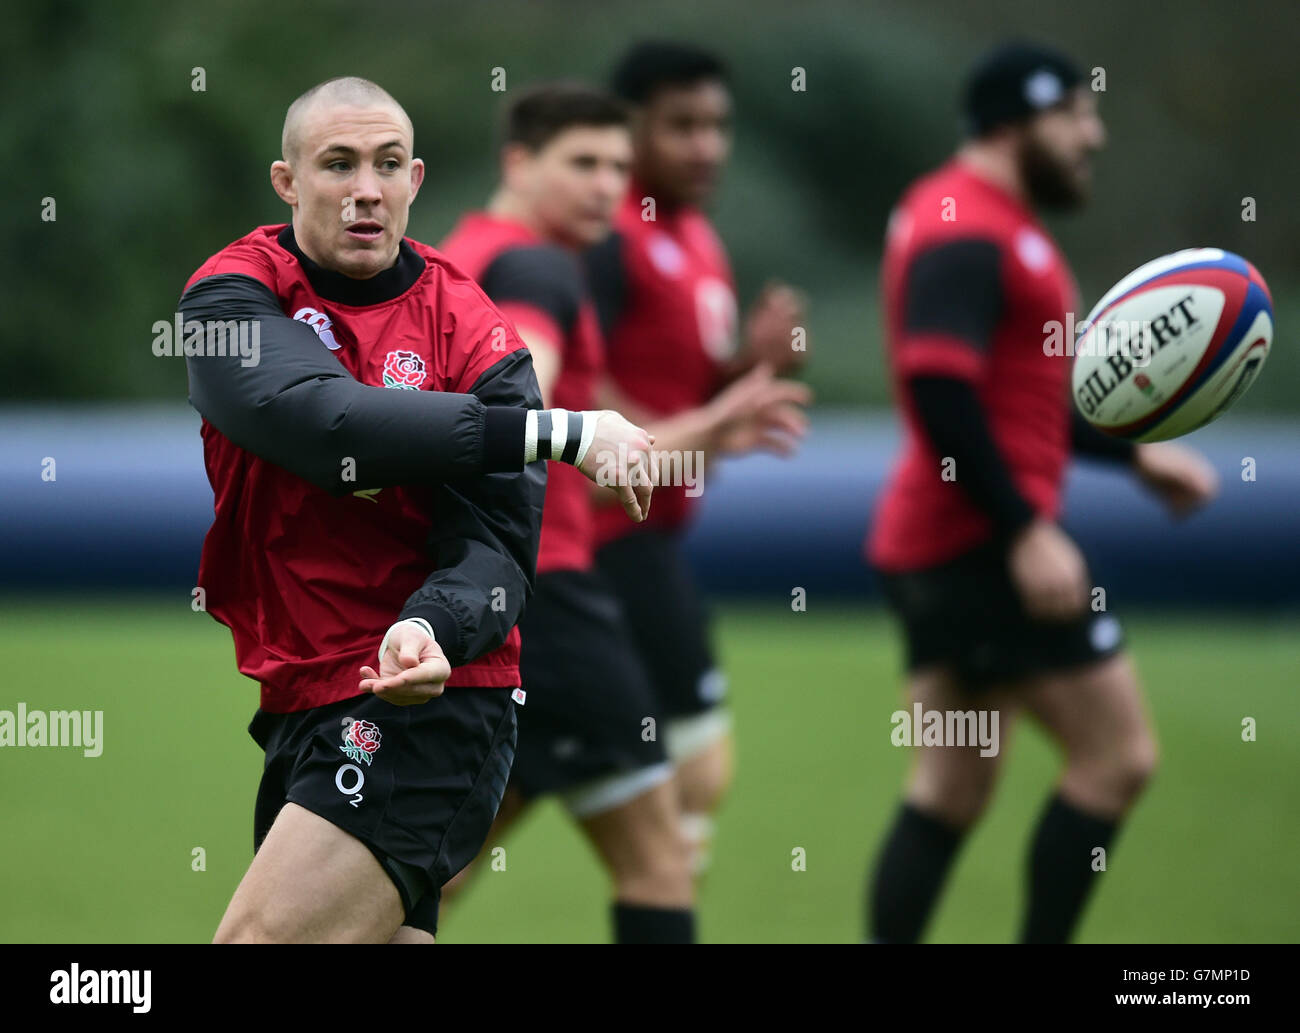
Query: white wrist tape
(589, 421)
(383, 646)
(558, 435)
(530, 437)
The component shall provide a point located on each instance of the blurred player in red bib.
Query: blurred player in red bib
(583, 730)
(663, 287)
(993, 597)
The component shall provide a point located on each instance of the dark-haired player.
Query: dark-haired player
(664, 289)
(993, 597)
(564, 168)
(377, 511)
(588, 732)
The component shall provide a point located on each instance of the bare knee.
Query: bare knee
(651, 862)
(1137, 766)
(656, 873)
(1112, 781)
(953, 784)
(644, 850)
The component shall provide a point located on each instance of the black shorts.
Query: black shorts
(589, 712)
(668, 620)
(966, 614)
(419, 785)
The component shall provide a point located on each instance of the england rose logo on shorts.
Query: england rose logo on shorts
(361, 741)
(404, 370)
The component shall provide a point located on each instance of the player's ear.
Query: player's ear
(417, 176)
(514, 158)
(282, 182)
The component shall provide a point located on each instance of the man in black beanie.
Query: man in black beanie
(1005, 92)
(998, 610)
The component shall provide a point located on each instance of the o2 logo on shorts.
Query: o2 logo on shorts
(361, 741)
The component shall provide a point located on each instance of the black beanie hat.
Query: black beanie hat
(1013, 81)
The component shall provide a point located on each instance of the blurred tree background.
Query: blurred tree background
(151, 176)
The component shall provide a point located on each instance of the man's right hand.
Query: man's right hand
(620, 458)
(1049, 572)
(413, 670)
(759, 410)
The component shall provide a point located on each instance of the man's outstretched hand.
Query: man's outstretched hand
(620, 458)
(413, 669)
(760, 411)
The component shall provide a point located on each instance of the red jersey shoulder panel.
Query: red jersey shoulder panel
(256, 254)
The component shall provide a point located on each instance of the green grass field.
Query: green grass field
(100, 849)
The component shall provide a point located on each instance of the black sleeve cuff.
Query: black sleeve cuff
(503, 438)
(1087, 440)
(1014, 515)
(444, 629)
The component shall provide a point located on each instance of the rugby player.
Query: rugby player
(377, 513)
(995, 600)
(663, 287)
(589, 729)
(582, 731)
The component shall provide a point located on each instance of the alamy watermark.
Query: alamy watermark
(1136, 340)
(74, 985)
(921, 727)
(677, 468)
(81, 729)
(217, 338)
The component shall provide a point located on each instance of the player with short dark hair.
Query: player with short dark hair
(651, 65)
(583, 725)
(664, 289)
(993, 597)
(541, 113)
(378, 496)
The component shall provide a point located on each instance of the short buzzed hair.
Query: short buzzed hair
(343, 89)
(540, 114)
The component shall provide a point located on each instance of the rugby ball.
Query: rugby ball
(1173, 345)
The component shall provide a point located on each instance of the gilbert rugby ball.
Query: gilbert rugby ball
(1173, 345)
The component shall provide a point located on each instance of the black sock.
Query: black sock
(909, 874)
(1060, 870)
(634, 923)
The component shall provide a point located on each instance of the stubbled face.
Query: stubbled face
(1056, 149)
(682, 138)
(574, 184)
(351, 184)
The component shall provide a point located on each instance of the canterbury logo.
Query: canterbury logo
(319, 322)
